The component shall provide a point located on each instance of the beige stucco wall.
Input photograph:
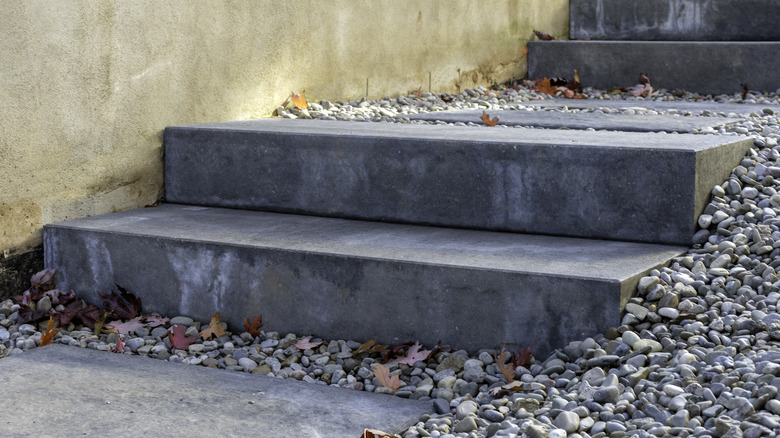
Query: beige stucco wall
(87, 86)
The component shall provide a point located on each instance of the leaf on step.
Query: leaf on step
(177, 338)
(124, 328)
(214, 329)
(120, 346)
(370, 347)
(122, 305)
(382, 374)
(543, 36)
(507, 371)
(414, 354)
(48, 334)
(487, 120)
(254, 328)
(154, 320)
(299, 100)
(373, 433)
(306, 343)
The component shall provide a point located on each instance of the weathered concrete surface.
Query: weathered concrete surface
(710, 67)
(598, 121)
(697, 108)
(681, 20)
(16, 271)
(344, 279)
(58, 391)
(611, 185)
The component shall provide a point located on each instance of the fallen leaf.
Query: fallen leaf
(643, 88)
(545, 87)
(125, 328)
(414, 355)
(28, 314)
(120, 346)
(177, 338)
(254, 328)
(745, 90)
(48, 335)
(156, 320)
(98, 326)
(576, 84)
(523, 358)
(370, 347)
(543, 36)
(299, 100)
(507, 371)
(373, 433)
(43, 280)
(122, 305)
(515, 386)
(487, 120)
(306, 343)
(382, 374)
(214, 329)
(644, 79)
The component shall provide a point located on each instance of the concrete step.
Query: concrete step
(346, 279)
(710, 67)
(729, 110)
(679, 20)
(609, 185)
(64, 391)
(598, 121)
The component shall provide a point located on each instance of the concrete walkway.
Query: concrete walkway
(62, 391)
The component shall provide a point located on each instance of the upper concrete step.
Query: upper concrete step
(126, 396)
(556, 120)
(346, 279)
(682, 107)
(614, 185)
(679, 20)
(703, 67)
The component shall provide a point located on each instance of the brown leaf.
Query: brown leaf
(43, 280)
(373, 433)
(370, 347)
(214, 329)
(545, 87)
(124, 328)
(48, 335)
(28, 314)
(382, 374)
(523, 358)
(543, 36)
(120, 346)
(507, 371)
(306, 343)
(514, 386)
(254, 328)
(414, 355)
(487, 120)
(299, 100)
(156, 320)
(177, 338)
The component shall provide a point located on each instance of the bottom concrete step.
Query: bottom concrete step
(346, 279)
(709, 67)
(70, 391)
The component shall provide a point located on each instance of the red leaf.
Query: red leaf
(156, 320)
(523, 358)
(177, 338)
(254, 328)
(123, 305)
(43, 280)
(543, 36)
(120, 346)
(306, 343)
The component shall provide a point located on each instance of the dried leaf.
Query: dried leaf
(154, 320)
(523, 358)
(299, 100)
(98, 326)
(543, 36)
(177, 338)
(214, 329)
(48, 335)
(507, 371)
(576, 84)
(545, 87)
(124, 328)
(123, 305)
(373, 433)
(382, 374)
(306, 343)
(644, 79)
(120, 346)
(745, 91)
(43, 280)
(28, 314)
(370, 347)
(514, 386)
(487, 120)
(414, 355)
(254, 328)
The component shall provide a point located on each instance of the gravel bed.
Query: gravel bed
(696, 353)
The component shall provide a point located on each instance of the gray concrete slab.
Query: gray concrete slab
(680, 20)
(598, 121)
(695, 108)
(609, 185)
(346, 279)
(709, 67)
(61, 391)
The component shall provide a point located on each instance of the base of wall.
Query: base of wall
(16, 270)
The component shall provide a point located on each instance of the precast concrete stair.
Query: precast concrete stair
(471, 236)
(705, 46)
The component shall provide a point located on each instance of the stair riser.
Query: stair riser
(678, 20)
(558, 187)
(703, 67)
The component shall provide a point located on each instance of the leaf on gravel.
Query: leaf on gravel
(507, 371)
(177, 338)
(28, 314)
(98, 327)
(487, 120)
(125, 328)
(48, 335)
(122, 305)
(120, 346)
(89, 315)
(543, 36)
(545, 87)
(306, 343)
(299, 100)
(214, 329)
(414, 354)
(643, 88)
(373, 433)
(382, 374)
(154, 320)
(254, 328)
(43, 280)
(523, 358)
(370, 347)
(514, 386)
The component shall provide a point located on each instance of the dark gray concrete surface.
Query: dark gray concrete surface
(556, 120)
(696, 108)
(60, 391)
(344, 279)
(681, 20)
(703, 67)
(610, 185)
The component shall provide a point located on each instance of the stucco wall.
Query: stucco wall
(87, 86)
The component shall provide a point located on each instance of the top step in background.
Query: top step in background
(675, 20)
